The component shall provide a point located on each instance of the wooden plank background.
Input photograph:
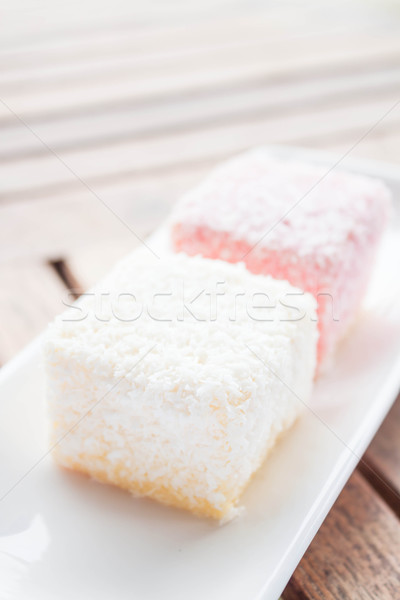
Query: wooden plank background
(110, 111)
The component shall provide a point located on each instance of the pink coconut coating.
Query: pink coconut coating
(293, 221)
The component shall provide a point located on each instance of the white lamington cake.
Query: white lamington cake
(175, 377)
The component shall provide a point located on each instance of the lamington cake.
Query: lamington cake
(295, 221)
(178, 382)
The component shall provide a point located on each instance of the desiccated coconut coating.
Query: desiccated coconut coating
(182, 400)
(294, 221)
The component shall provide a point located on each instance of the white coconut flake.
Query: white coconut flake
(189, 402)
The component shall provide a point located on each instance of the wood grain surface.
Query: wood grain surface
(349, 556)
(31, 293)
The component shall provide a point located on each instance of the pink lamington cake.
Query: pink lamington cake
(294, 221)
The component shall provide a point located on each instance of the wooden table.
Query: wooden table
(108, 113)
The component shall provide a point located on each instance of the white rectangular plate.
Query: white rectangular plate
(64, 536)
